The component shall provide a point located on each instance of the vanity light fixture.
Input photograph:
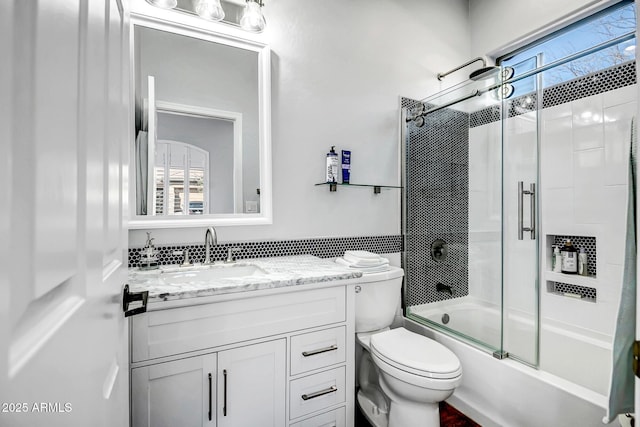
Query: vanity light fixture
(210, 9)
(163, 4)
(252, 17)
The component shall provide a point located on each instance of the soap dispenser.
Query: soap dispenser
(332, 165)
(149, 255)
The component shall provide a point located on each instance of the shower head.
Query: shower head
(484, 73)
(487, 72)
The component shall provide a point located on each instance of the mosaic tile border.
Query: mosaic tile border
(585, 293)
(329, 247)
(592, 84)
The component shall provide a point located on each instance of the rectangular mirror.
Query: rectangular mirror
(202, 146)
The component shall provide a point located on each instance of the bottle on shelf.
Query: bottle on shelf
(569, 255)
(582, 262)
(332, 165)
(556, 260)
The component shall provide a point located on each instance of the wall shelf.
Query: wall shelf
(571, 279)
(333, 186)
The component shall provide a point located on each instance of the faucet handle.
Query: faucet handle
(186, 262)
(230, 253)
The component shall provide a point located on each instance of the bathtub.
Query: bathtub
(568, 389)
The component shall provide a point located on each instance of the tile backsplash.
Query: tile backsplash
(329, 247)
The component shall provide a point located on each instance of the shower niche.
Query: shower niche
(575, 286)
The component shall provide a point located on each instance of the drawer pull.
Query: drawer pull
(319, 351)
(331, 389)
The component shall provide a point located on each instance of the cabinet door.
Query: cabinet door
(179, 393)
(251, 385)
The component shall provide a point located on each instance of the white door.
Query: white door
(251, 385)
(178, 393)
(64, 132)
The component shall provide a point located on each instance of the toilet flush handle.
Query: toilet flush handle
(358, 289)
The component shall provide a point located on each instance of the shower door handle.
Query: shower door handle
(532, 206)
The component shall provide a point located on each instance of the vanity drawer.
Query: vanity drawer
(317, 350)
(317, 392)
(335, 418)
(180, 330)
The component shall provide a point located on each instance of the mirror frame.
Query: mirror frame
(265, 216)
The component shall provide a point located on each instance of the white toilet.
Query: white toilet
(402, 375)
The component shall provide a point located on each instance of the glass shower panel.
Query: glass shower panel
(453, 206)
(520, 217)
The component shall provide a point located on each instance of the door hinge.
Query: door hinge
(636, 357)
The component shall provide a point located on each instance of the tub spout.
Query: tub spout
(444, 288)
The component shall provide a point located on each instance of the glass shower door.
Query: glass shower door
(520, 220)
(470, 171)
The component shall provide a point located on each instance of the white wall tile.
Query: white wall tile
(617, 137)
(611, 245)
(556, 153)
(557, 208)
(620, 96)
(485, 266)
(478, 157)
(588, 175)
(587, 137)
(557, 111)
(587, 111)
(524, 123)
(587, 122)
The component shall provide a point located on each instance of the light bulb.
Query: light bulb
(210, 9)
(163, 4)
(252, 18)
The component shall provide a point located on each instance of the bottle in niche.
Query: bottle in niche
(582, 262)
(556, 261)
(569, 256)
(332, 165)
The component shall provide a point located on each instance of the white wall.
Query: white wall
(338, 69)
(497, 23)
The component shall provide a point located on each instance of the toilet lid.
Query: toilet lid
(416, 354)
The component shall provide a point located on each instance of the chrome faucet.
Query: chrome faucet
(210, 239)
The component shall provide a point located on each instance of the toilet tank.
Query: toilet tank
(378, 299)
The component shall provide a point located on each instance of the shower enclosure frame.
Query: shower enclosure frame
(536, 73)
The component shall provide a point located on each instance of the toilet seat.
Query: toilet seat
(410, 353)
(364, 338)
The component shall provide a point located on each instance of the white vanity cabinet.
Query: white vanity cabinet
(175, 393)
(277, 357)
(251, 384)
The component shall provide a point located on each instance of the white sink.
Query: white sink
(211, 273)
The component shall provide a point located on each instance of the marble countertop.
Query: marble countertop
(273, 273)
